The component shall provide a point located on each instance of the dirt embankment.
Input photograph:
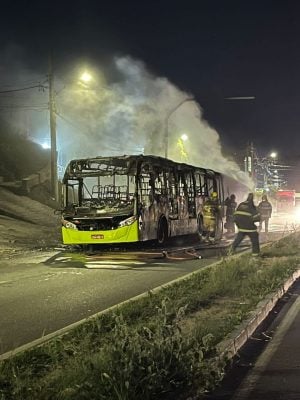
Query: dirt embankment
(26, 224)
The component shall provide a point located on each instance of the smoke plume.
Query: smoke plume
(134, 115)
(132, 112)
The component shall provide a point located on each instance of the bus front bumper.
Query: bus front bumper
(125, 234)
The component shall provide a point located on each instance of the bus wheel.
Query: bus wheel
(162, 231)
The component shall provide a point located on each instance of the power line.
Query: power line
(33, 81)
(68, 122)
(12, 105)
(33, 108)
(40, 86)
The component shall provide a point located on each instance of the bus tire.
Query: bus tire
(162, 231)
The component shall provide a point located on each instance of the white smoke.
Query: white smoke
(132, 116)
(129, 116)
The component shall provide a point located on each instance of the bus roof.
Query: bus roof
(109, 165)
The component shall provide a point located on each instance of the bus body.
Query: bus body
(124, 199)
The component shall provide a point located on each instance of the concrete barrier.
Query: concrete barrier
(38, 178)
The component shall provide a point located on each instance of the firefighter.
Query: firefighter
(230, 204)
(245, 217)
(211, 211)
(265, 210)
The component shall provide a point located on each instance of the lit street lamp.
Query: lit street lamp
(166, 133)
(240, 98)
(86, 77)
(182, 150)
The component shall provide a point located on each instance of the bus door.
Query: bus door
(190, 186)
(171, 181)
(220, 190)
(201, 191)
(182, 198)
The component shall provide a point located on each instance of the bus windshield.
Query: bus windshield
(104, 186)
(108, 193)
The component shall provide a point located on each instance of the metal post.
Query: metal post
(166, 136)
(52, 110)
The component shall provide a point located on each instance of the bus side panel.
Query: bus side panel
(183, 227)
(150, 216)
(148, 225)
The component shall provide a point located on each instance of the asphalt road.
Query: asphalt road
(41, 293)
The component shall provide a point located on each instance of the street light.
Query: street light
(273, 154)
(166, 133)
(86, 77)
(182, 150)
(240, 98)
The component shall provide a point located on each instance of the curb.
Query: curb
(230, 347)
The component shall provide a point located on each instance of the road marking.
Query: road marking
(107, 266)
(116, 262)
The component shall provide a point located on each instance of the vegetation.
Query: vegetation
(162, 346)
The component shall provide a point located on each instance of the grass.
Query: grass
(158, 347)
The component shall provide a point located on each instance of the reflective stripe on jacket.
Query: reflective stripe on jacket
(265, 209)
(245, 216)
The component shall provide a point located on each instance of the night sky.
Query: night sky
(211, 49)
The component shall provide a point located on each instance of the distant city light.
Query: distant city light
(240, 98)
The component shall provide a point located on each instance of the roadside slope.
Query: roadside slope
(26, 223)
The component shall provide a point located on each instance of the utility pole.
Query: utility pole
(52, 110)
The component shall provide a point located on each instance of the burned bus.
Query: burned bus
(134, 198)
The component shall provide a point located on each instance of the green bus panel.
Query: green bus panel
(125, 234)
